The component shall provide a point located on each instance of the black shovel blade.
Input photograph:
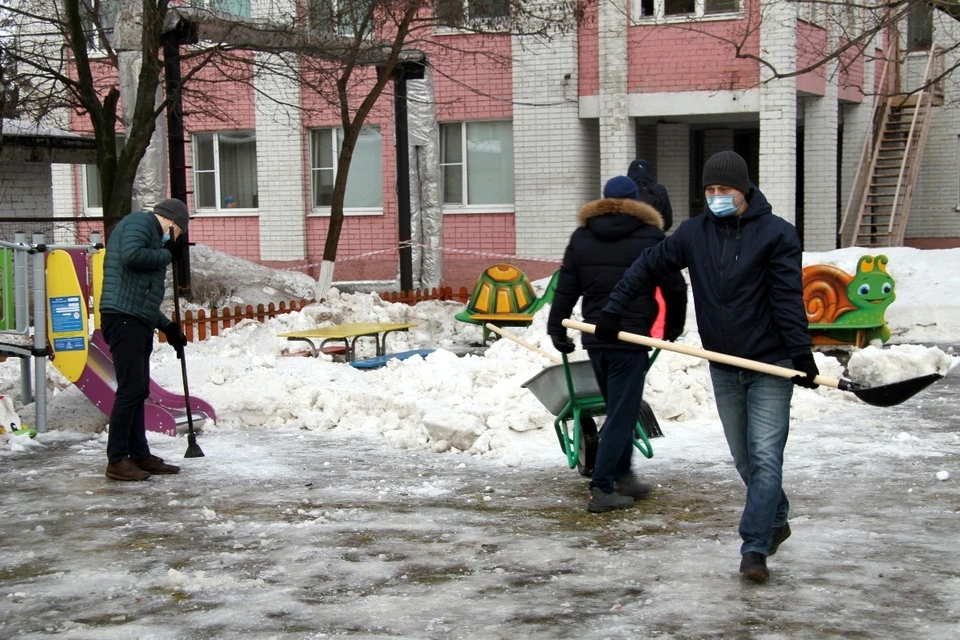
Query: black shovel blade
(888, 395)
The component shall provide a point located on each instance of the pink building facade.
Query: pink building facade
(531, 133)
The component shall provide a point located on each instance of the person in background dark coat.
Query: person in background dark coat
(744, 264)
(612, 232)
(134, 272)
(651, 191)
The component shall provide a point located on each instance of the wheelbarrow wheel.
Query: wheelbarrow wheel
(587, 455)
(649, 422)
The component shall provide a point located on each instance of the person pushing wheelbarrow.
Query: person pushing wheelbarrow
(612, 232)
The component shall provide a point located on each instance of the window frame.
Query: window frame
(467, 208)
(467, 25)
(336, 23)
(325, 212)
(205, 5)
(217, 211)
(120, 143)
(699, 14)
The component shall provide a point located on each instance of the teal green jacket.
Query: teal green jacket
(134, 269)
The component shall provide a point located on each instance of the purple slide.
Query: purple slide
(163, 410)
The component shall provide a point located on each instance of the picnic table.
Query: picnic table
(348, 334)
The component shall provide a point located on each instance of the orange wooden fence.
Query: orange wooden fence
(204, 323)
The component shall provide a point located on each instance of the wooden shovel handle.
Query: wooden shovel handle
(713, 356)
(509, 336)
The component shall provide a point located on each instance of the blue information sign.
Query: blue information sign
(65, 314)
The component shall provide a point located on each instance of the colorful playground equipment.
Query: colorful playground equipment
(848, 309)
(62, 300)
(504, 296)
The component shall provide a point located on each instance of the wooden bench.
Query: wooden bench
(845, 309)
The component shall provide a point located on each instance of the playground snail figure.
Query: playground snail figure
(833, 296)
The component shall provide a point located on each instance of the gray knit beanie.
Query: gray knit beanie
(727, 168)
(174, 210)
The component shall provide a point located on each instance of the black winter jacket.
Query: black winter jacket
(134, 269)
(612, 233)
(651, 192)
(746, 279)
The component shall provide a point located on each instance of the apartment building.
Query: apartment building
(530, 132)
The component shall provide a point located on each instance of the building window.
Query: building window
(365, 182)
(99, 20)
(340, 16)
(462, 12)
(239, 8)
(225, 170)
(476, 163)
(683, 9)
(92, 193)
(920, 27)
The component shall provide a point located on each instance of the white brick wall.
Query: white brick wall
(820, 170)
(280, 175)
(778, 108)
(555, 153)
(63, 200)
(937, 194)
(26, 190)
(673, 167)
(617, 128)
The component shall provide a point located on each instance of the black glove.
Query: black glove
(808, 365)
(175, 247)
(608, 327)
(175, 337)
(563, 343)
(672, 329)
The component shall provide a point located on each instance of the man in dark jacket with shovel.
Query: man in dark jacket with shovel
(744, 265)
(612, 232)
(134, 270)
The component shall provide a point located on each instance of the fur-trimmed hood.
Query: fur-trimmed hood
(605, 206)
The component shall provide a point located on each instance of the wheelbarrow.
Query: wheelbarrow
(570, 392)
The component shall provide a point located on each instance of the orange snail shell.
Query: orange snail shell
(825, 292)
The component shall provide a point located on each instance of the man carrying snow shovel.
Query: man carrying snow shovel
(744, 267)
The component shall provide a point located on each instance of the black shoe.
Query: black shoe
(780, 534)
(753, 567)
(600, 501)
(632, 488)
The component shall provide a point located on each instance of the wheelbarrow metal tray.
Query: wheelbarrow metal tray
(550, 387)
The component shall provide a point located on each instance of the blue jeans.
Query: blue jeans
(755, 411)
(620, 374)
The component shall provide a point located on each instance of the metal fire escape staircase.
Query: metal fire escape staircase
(879, 204)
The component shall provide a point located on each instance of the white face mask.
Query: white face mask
(722, 206)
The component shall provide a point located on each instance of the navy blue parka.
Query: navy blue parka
(745, 272)
(612, 232)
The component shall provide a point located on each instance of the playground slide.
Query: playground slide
(163, 411)
(85, 358)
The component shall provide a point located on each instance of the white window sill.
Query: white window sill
(226, 213)
(687, 17)
(324, 212)
(478, 208)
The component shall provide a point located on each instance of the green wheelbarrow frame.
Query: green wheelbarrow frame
(576, 409)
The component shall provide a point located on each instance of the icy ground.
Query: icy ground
(293, 533)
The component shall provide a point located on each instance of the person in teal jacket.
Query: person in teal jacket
(134, 270)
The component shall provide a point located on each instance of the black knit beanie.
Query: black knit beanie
(174, 210)
(727, 168)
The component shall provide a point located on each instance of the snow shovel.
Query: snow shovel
(886, 395)
(193, 449)
(647, 418)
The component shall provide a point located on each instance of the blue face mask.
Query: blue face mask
(166, 237)
(722, 206)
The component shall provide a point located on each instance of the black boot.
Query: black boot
(780, 534)
(753, 567)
